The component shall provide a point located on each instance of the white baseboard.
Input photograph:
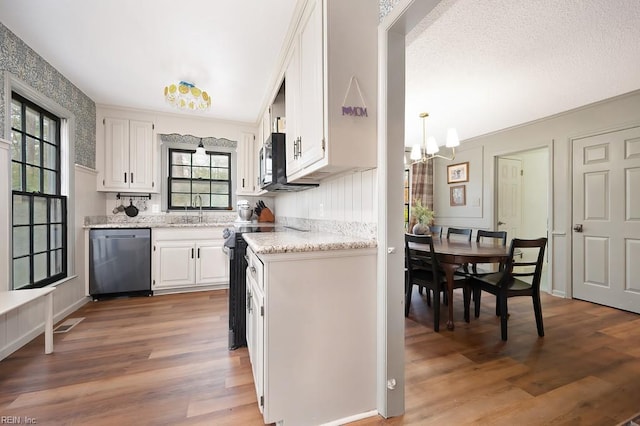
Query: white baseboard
(350, 419)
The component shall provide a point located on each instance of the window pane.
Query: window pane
(220, 161)
(200, 187)
(56, 210)
(33, 122)
(201, 160)
(220, 188)
(40, 271)
(221, 174)
(56, 262)
(33, 151)
(39, 210)
(201, 173)
(180, 200)
(181, 158)
(206, 200)
(180, 186)
(50, 130)
(16, 146)
(33, 179)
(181, 171)
(20, 241)
(219, 200)
(39, 238)
(16, 115)
(50, 183)
(20, 272)
(16, 177)
(20, 210)
(50, 156)
(56, 236)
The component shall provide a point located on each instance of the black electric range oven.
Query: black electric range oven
(236, 249)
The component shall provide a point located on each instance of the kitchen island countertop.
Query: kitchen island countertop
(301, 241)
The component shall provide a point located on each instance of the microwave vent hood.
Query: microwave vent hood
(273, 155)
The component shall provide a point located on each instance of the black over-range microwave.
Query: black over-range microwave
(273, 166)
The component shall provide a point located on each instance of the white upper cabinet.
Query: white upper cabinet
(331, 89)
(247, 182)
(128, 156)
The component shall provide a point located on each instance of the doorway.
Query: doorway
(522, 202)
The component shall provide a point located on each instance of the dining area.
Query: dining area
(437, 265)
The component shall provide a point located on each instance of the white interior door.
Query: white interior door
(509, 196)
(606, 219)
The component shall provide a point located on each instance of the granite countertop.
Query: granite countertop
(297, 241)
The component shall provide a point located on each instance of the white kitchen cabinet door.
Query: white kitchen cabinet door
(116, 168)
(128, 155)
(141, 156)
(174, 264)
(292, 100)
(212, 264)
(257, 300)
(311, 107)
(246, 181)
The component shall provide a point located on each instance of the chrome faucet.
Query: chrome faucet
(198, 198)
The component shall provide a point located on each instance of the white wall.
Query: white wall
(164, 124)
(555, 133)
(349, 198)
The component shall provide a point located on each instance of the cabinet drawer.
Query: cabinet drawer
(255, 269)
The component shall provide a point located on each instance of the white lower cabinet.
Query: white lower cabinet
(186, 259)
(311, 334)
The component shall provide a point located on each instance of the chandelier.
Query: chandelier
(187, 96)
(429, 148)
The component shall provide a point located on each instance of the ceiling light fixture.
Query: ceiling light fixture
(200, 149)
(187, 96)
(429, 148)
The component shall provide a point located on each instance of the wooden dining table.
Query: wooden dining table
(454, 253)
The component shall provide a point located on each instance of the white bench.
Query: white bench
(10, 300)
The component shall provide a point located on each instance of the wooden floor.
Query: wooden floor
(164, 360)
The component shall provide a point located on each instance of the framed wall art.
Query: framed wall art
(458, 195)
(458, 173)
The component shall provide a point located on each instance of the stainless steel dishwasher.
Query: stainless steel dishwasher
(119, 262)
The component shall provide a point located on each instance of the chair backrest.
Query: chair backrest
(423, 259)
(459, 231)
(436, 230)
(518, 266)
(499, 235)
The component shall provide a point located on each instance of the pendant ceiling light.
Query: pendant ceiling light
(429, 148)
(187, 96)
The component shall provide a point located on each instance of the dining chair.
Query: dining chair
(484, 236)
(459, 231)
(424, 270)
(436, 230)
(520, 277)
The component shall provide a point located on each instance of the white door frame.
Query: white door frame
(392, 33)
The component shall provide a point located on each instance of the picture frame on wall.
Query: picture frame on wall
(458, 173)
(458, 195)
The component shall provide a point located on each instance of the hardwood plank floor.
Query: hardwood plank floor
(164, 360)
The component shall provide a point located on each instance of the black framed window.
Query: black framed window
(406, 199)
(208, 177)
(39, 220)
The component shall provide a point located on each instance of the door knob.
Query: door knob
(578, 227)
(501, 223)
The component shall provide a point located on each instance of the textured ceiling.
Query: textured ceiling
(482, 66)
(479, 66)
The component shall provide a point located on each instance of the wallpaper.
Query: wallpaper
(23, 62)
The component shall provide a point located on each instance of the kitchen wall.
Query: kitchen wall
(345, 204)
(26, 65)
(21, 68)
(165, 124)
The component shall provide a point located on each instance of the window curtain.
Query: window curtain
(421, 186)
